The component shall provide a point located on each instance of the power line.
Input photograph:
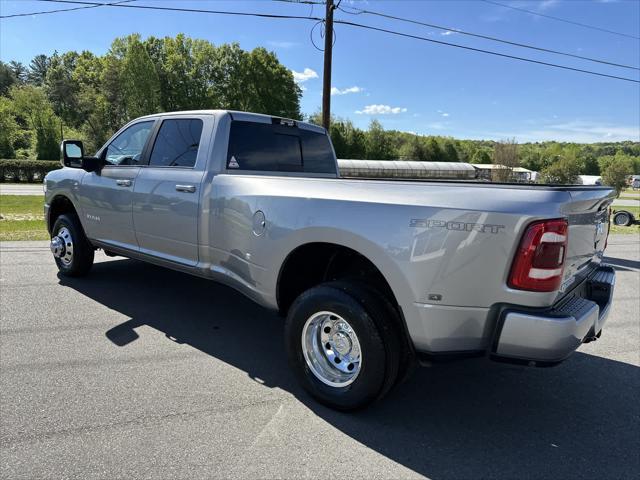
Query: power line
(64, 9)
(593, 27)
(486, 37)
(489, 52)
(191, 10)
(353, 24)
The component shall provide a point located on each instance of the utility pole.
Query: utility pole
(326, 76)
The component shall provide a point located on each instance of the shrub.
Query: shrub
(26, 170)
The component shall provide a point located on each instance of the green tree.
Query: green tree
(616, 173)
(32, 105)
(481, 155)
(432, 151)
(19, 71)
(8, 129)
(138, 76)
(565, 170)
(412, 149)
(378, 142)
(7, 79)
(38, 67)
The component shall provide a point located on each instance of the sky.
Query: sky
(406, 84)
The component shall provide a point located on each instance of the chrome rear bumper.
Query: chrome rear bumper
(549, 336)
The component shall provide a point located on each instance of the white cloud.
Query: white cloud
(345, 91)
(305, 75)
(437, 126)
(447, 33)
(303, 88)
(444, 114)
(579, 131)
(546, 4)
(381, 110)
(278, 44)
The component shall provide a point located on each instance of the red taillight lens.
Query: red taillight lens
(539, 261)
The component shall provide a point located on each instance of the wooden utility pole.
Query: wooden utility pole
(326, 76)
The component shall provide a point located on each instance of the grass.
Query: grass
(22, 218)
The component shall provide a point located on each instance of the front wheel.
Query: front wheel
(341, 345)
(70, 247)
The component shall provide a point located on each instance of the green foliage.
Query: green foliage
(32, 108)
(481, 155)
(92, 96)
(378, 142)
(8, 129)
(7, 79)
(25, 170)
(565, 170)
(616, 169)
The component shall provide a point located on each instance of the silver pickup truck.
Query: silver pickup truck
(373, 276)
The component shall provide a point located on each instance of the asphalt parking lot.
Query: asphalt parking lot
(140, 372)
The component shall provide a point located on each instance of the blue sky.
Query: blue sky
(407, 84)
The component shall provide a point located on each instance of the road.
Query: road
(21, 189)
(140, 372)
(623, 202)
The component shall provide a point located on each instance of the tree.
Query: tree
(450, 152)
(19, 71)
(32, 105)
(38, 70)
(432, 151)
(139, 79)
(412, 149)
(378, 144)
(481, 156)
(7, 79)
(8, 129)
(505, 154)
(616, 173)
(61, 87)
(566, 170)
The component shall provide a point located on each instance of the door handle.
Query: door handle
(123, 183)
(186, 188)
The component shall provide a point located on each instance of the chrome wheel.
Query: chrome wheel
(62, 246)
(331, 349)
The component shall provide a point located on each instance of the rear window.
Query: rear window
(274, 147)
(177, 143)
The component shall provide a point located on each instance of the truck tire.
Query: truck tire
(70, 247)
(342, 346)
(623, 218)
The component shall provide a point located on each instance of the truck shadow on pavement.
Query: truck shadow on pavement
(472, 419)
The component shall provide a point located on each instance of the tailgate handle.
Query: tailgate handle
(123, 183)
(186, 188)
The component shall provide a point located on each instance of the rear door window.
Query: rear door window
(177, 142)
(274, 147)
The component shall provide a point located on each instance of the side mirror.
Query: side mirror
(72, 153)
(92, 164)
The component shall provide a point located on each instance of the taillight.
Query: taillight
(539, 261)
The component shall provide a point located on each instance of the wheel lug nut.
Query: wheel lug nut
(350, 367)
(337, 360)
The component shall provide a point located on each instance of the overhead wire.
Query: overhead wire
(559, 19)
(485, 37)
(352, 24)
(59, 10)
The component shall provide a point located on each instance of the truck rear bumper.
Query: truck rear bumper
(549, 336)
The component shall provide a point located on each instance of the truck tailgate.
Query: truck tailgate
(588, 216)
